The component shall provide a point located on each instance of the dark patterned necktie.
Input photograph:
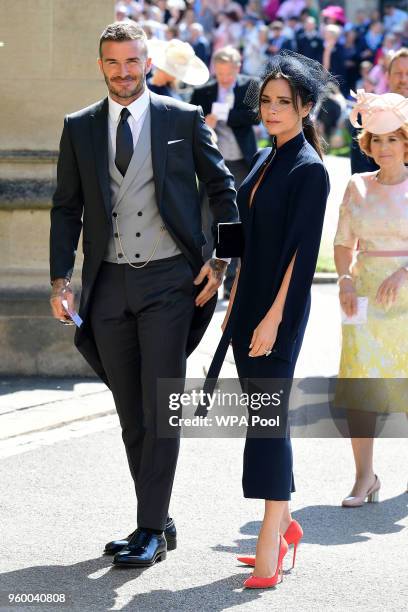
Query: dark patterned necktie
(124, 143)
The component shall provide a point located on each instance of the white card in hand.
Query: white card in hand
(220, 110)
(361, 315)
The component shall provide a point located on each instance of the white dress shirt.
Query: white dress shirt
(137, 110)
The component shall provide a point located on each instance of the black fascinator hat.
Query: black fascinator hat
(307, 78)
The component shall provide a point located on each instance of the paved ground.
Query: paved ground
(66, 491)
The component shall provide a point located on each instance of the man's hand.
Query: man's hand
(211, 120)
(214, 270)
(61, 290)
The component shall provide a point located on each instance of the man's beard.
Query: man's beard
(115, 88)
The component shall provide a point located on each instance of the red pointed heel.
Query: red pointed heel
(292, 535)
(258, 582)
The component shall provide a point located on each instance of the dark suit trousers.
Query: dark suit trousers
(141, 319)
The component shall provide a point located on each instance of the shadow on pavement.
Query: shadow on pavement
(85, 593)
(334, 525)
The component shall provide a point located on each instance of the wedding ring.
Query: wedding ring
(268, 353)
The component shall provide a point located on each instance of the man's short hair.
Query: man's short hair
(403, 52)
(121, 31)
(227, 55)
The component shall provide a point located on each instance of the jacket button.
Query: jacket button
(137, 255)
(120, 254)
(138, 234)
(139, 213)
(114, 215)
(116, 234)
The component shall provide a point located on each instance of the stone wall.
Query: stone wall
(48, 68)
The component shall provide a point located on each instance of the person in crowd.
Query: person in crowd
(334, 15)
(128, 9)
(228, 32)
(330, 112)
(282, 204)
(401, 35)
(290, 8)
(397, 83)
(127, 174)
(277, 40)
(362, 81)
(361, 23)
(184, 24)
(389, 45)
(372, 41)
(312, 10)
(352, 58)
(199, 42)
(334, 58)
(379, 74)
(373, 221)
(172, 32)
(291, 30)
(174, 61)
(393, 16)
(270, 9)
(310, 43)
(255, 52)
(206, 17)
(234, 130)
(176, 9)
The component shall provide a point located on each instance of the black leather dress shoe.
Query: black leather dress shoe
(170, 532)
(143, 550)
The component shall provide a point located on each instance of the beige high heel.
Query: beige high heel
(372, 496)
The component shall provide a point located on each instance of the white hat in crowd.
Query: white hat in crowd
(178, 59)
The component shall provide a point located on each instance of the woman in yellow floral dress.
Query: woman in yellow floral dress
(371, 256)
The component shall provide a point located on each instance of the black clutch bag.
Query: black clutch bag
(230, 240)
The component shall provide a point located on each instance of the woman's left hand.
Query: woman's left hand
(388, 290)
(264, 336)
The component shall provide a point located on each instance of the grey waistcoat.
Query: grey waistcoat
(134, 201)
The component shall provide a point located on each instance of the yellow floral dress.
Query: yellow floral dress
(374, 217)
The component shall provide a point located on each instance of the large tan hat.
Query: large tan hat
(380, 113)
(178, 59)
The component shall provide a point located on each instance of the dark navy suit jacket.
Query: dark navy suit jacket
(82, 198)
(241, 118)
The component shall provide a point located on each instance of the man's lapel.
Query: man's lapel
(99, 123)
(160, 124)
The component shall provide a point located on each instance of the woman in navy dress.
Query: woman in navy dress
(282, 203)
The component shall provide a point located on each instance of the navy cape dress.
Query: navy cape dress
(285, 217)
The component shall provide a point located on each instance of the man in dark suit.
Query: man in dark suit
(127, 176)
(235, 131)
(310, 43)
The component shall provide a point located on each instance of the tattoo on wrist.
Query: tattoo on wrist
(218, 267)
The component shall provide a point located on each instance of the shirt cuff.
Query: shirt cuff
(226, 259)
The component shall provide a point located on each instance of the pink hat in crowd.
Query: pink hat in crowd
(334, 12)
(380, 114)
